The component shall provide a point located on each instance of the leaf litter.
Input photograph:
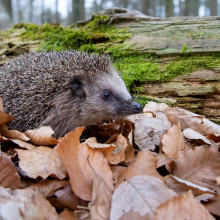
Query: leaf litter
(161, 164)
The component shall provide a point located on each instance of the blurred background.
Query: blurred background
(67, 12)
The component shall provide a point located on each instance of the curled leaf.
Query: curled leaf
(42, 136)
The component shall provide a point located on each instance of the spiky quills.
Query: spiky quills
(30, 83)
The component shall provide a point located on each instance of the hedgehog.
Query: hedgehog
(63, 90)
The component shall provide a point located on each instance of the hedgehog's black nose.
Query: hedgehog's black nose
(137, 108)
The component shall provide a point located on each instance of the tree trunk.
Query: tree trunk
(57, 20)
(42, 12)
(8, 6)
(78, 9)
(169, 8)
(20, 12)
(213, 7)
(31, 10)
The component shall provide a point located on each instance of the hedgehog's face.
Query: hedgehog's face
(105, 98)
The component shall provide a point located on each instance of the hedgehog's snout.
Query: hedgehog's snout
(137, 107)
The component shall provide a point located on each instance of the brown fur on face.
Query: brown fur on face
(63, 90)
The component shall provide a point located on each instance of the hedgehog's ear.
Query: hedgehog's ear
(77, 87)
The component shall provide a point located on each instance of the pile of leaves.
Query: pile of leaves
(161, 164)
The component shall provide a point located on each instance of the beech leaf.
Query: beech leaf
(184, 206)
(9, 177)
(141, 194)
(41, 162)
(173, 141)
(149, 131)
(143, 164)
(42, 136)
(200, 166)
(25, 204)
(101, 199)
(13, 134)
(75, 159)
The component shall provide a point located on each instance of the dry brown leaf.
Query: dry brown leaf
(115, 172)
(186, 118)
(173, 141)
(42, 136)
(141, 194)
(134, 216)
(117, 154)
(25, 204)
(218, 180)
(101, 199)
(92, 142)
(67, 197)
(194, 135)
(200, 166)
(182, 207)
(41, 162)
(143, 164)
(129, 153)
(13, 134)
(75, 159)
(153, 107)
(149, 130)
(181, 186)
(9, 177)
(68, 215)
(213, 205)
(5, 118)
(162, 160)
(24, 144)
(48, 187)
(213, 137)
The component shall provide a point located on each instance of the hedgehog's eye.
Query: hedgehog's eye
(106, 95)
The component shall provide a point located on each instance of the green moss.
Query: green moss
(185, 51)
(142, 69)
(87, 37)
